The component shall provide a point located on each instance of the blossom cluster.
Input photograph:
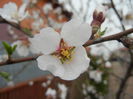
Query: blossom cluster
(98, 74)
(12, 13)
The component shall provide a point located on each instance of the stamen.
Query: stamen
(65, 52)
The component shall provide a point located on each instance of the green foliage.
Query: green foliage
(5, 75)
(9, 49)
(98, 63)
(101, 33)
(101, 88)
(27, 31)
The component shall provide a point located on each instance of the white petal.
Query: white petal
(10, 7)
(47, 7)
(33, 50)
(8, 10)
(21, 49)
(78, 64)
(66, 71)
(47, 41)
(76, 33)
(22, 9)
(50, 63)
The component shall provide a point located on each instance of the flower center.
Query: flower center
(64, 53)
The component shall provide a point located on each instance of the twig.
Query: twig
(119, 17)
(129, 70)
(15, 26)
(116, 76)
(109, 38)
(127, 75)
(25, 66)
(72, 7)
(14, 61)
(90, 42)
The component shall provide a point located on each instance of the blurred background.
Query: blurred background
(109, 60)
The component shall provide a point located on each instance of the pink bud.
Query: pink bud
(98, 16)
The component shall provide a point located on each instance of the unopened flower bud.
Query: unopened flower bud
(98, 19)
(98, 16)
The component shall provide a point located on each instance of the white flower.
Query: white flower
(34, 1)
(91, 89)
(108, 64)
(26, 1)
(84, 92)
(96, 75)
(105, 82)
(3, 57)
(44, 84)
(64, 55)
(36, 25)
(51, 92)
(12, 32)
(30, 1)
(23, 48)
(10, 83)
(31, 83)
(54, 24)
(58, 10)
(35, 14)
(63, 90)
(11, 13)
(47, 7)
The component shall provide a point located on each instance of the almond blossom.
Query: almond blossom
(47, 8)
(96, 75)
(63, 53)
(24, 47)
(63, 91)
(51, 93)
(12, 13)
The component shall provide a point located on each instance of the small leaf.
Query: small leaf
(7, 47)
(14, 48)
(101, 33)
(5, 75)
(27, 31)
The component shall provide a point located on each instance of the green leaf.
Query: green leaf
(101, 33)
(27, 31)
(14, 48)
(5, 75)
(7, 47)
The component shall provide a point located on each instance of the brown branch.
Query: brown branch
(127, 75)
(15, 26)
(109, 38)
(116, 76)
(90, 42)
(14, 61)
(117, 14)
